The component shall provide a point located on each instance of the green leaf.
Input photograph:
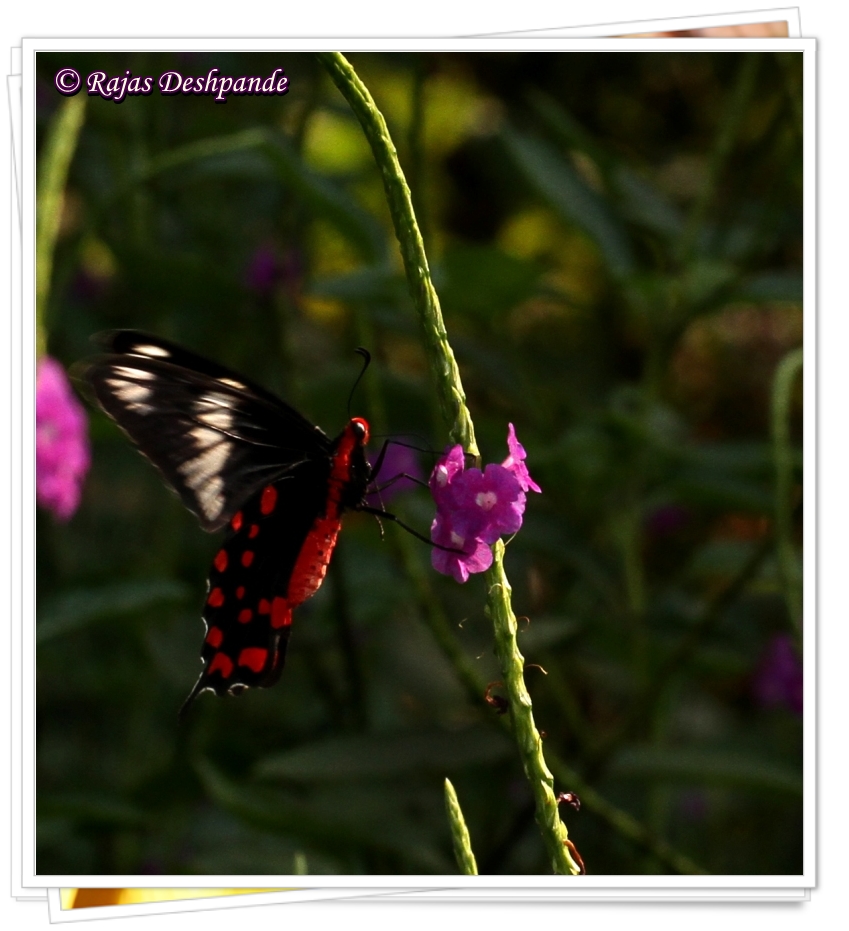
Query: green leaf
(342, 820)
(371, 756)
(751, 458)
(376, 283)
(703, 278)
(484, 282)
(544, 632)
(702, 766)
(775, 285)
(722, 492)
(720, 557)
(567, 193)
(640, 201)
(323, 196)
(645, 204)
(93, 809)
(73, 610)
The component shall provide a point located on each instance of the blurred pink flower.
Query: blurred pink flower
(667, 520)
(398, 461)
(263, 270)
(778, 679)
(62, 454)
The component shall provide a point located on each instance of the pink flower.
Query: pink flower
(474, 508)
(62, 455)
(488, 504)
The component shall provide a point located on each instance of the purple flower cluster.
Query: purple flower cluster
(62, 454)
(474, 508)
(778, 679)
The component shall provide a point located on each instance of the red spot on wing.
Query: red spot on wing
(254, 658)
(269, 500)
(253, 531)
(221, 663)
(215, 637)
(247, 558)
(216, 598)
(220, 561)
(236, 522)
(240, 592)
(281, 613)
(245, 615)
(264, 606)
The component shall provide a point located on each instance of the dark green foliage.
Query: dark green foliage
(617, 244)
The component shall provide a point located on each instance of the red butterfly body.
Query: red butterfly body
(238, 457)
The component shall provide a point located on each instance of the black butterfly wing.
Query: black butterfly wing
(216, 437)
(249, 603)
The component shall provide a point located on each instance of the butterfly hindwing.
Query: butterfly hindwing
(216, 437)
(251, 595)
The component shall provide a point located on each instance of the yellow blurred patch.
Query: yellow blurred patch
(405, 357)
(573, 260)
(455, 110)
(324, 310)
(92, 898)
(334, 144)
(97, 259)
(331, 252)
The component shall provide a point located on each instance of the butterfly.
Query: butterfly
(241, 459)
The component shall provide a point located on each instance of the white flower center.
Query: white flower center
(441, 476)
(486, 500)
(456, 539)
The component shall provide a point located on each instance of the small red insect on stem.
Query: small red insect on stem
(499, 702)
(570, 799)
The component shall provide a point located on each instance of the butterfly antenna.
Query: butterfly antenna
(366, 362)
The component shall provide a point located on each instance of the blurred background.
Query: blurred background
(617, 244)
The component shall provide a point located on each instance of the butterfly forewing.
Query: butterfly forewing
(216, 437)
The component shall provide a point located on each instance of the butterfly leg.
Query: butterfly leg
(389, 516)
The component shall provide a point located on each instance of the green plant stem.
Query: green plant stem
(59, 149)
(627, 531)
(461, 430)
(459, 833)
(500, 612)
(440, 627)
(452, 399)
(788, 562)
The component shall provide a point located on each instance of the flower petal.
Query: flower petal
(475, 556)
(515, 462)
